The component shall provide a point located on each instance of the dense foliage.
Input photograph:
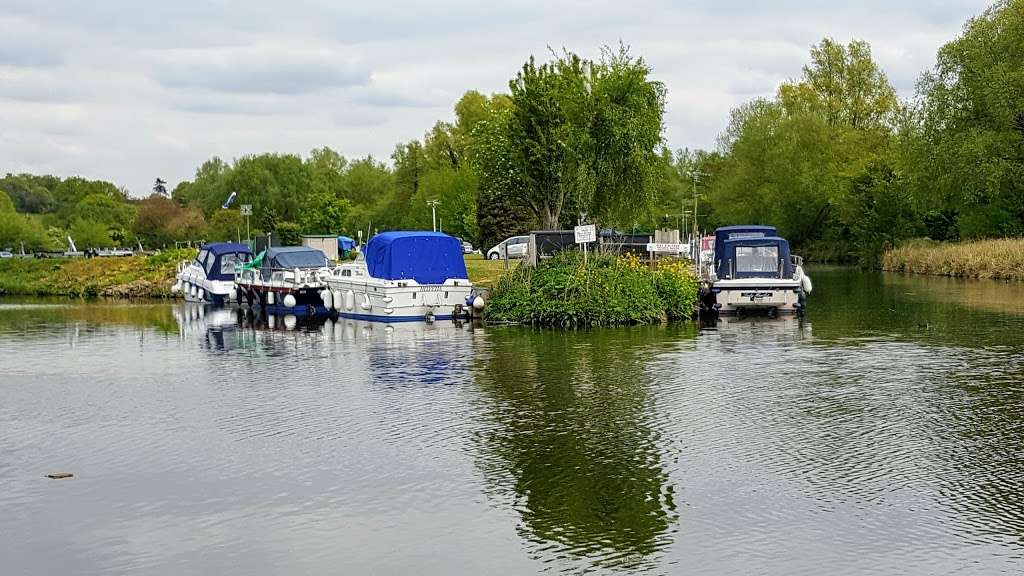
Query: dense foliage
(607, 289)
(846, 171)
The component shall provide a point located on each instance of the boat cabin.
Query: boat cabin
(754, 257)
(220, 259)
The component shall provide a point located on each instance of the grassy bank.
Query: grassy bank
(483, 272)
(999, 259)
(563, 291)
(127, 277)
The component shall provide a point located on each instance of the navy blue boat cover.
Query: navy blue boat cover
(426, 257)
(289, 257)
(742, 231)
(221, 259)
(754, 257)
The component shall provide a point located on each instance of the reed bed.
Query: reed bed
(1001, 259)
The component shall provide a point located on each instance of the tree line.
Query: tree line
(835, 159)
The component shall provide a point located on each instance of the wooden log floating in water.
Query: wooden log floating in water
(60, 475)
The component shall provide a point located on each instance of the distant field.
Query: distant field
(485, 272)
(1001, 259)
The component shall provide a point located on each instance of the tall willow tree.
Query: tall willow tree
(584, 137)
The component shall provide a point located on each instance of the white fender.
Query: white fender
(192, 290)
(270, 299)
(176, 288)
(289, 301)
(366, 302)
(336, 296)
(290, 320)
(200, 294)
(350, 300)
(805, 281)
(327, 298)
(478, 303)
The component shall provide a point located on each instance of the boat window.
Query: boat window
(201, 258)
(229, 261)
(346, 272)
(757, 259)
(208, 262)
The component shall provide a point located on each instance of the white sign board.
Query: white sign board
(586, 233)
(669, 248)
(245, 209)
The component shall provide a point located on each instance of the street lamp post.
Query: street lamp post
(433, 213)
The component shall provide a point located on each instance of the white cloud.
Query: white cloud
(128, 90)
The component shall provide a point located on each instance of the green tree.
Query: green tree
(585, 134)
(90, 234)
(969, 161)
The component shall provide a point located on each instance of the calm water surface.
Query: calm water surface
(883, 434)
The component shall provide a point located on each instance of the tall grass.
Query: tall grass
(999, 259)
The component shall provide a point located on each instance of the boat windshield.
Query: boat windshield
(757, 259)
(228, 262)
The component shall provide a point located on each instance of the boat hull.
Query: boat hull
(757, 295)
(378, 301)
(195, 287)
(275, 299)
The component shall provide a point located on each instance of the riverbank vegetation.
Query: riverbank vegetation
(835, 160)
(122, 277)
(1001, 259)
(604, 289)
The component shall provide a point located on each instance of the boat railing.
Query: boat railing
(296, 276)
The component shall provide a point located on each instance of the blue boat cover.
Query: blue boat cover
(221, 259)
(289, 257)
(345, 243)
(426, 257)
(754, 257)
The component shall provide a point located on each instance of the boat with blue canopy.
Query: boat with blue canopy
(404, 276)
(210, 278)
(753, 270)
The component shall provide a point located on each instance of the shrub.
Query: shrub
(565, 291)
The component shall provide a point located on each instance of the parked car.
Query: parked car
(514, 247)
(6, 254)
(467, 247)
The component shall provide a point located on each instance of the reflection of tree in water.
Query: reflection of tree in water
(572, 443)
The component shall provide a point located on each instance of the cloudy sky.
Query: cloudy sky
(127, 90)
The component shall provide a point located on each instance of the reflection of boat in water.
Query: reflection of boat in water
(758, 329)
(211, 276)
(753, 271)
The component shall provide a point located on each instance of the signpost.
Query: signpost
(584, 235)
(665, 248)
(246, 210)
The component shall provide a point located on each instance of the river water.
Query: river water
(883, 434)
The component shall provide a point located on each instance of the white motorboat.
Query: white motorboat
(753, 271)
(211, 276)
(403, 277)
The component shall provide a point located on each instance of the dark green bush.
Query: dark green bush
(563, 291)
